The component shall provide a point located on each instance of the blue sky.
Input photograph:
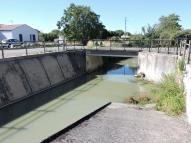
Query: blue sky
(44, 14)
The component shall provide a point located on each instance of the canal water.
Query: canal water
(42, 115)
(118, 82)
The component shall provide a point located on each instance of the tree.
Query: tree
(80, 23)
(119, 33)
(149, 31)
(49, 37)
(169, 26)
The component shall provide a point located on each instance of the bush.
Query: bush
(171, 96)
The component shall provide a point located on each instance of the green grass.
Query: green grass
(168, 96)
(171, 96)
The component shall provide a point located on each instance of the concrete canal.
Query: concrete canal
(41, 116)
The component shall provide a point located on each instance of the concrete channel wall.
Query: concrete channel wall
(187, 86)
(25, 76)
(93, 63)
(154, 65)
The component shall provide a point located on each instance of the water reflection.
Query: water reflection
(121, 73)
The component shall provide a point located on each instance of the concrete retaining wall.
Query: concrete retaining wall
(22, 77)
(187, 86)
(154, 65)
(93, 63)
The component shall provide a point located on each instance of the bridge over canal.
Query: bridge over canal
(112, 50)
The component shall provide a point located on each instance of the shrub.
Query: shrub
(171, 96)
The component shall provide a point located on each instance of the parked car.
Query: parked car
(8, 43)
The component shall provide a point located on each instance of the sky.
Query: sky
(44, 14)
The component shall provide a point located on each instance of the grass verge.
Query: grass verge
(171, 96)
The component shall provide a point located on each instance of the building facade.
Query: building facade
(21, 32)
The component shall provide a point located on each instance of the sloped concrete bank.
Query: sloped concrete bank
(24, 76)
(154, 65)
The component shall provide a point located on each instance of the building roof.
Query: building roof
(4, 27)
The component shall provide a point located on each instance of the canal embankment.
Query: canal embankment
(25, 76)
(155, 65)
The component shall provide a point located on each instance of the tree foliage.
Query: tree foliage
(80, 23)
(49, 37)
(169, 26)
(149, 31)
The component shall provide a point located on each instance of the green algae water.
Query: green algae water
(117, 83)
(42, 115)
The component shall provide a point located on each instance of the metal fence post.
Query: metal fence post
(168, 47)
(176, 47)
(44, 47)
(110, 44)
(2, 51)
(65, 45)
(189, 50)
(26, 50)
(151, 45)
(62, 45)
(74, 44)
(58, 46)
(96, 44)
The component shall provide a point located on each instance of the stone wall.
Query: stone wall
(154, 65)
(24, 76)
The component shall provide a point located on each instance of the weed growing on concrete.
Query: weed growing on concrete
(171, 96)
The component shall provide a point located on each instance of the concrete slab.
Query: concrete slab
(122, 123)
(52, 117)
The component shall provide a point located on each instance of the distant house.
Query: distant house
(21, 32)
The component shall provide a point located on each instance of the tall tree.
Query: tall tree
(169, 26)
(80, 23)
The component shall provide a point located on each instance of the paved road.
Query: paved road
(122, 124)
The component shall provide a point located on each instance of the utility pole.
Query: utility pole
(125, 26)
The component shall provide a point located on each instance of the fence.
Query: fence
(178, 47)
(155, 45)
(27, 49)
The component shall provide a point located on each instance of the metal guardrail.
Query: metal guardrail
(39, 48)
(154, 45)
(177, 47)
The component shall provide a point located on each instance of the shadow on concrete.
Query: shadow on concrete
(13, 111)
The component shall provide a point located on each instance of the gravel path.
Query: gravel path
(120, 123)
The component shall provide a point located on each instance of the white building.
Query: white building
(21, 32)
